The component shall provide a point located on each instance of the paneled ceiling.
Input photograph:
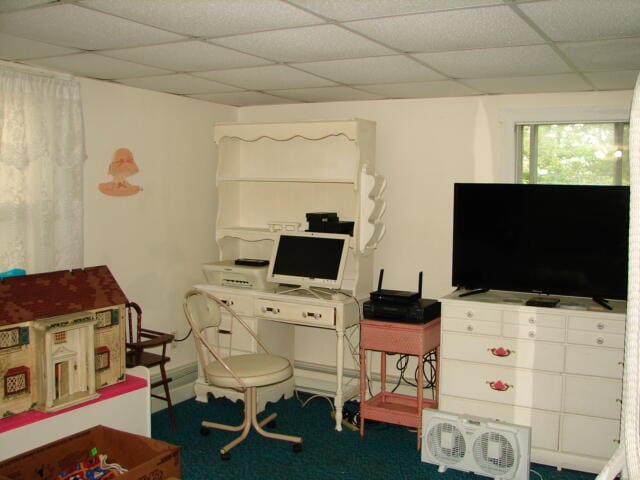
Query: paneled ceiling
(260, 52)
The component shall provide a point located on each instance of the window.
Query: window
(102, 358)
(573, 153)
(16, 381)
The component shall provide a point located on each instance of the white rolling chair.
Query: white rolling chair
(243, 372)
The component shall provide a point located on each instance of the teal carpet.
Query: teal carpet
(385, 452)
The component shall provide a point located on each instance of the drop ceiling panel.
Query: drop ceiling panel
(242, 99)
(211, 18)
(351, 10)
(190, 56)
(326, 94)
(387, 69)
(443, 88)
(567, 20)
(16, 48)
(324, 42)
(96, 66)
(604, 55)
(496, 62)
(532, 84)
(614, 80)
(181, 84)
(72, 26)
(267, 78)
(450, 30)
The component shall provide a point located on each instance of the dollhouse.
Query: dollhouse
(62, 338)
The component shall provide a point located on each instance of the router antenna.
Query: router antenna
(420, 285)
(380, 279)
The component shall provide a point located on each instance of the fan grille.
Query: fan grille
(494, 453)
(445, 442)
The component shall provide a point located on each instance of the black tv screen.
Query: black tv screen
(549, 239)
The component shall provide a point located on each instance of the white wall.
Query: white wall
(156, 241)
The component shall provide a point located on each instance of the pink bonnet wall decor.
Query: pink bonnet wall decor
(122, 166)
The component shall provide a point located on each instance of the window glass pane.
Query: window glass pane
(577, 153)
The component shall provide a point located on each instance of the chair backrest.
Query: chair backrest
(134, 322)
(204, 311)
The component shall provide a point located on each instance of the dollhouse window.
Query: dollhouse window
(16, 381)
(103, 358)
(60, 337)
(10, 338)
(106, 318)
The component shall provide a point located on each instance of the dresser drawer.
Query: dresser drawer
(295, 312)
(534, 332)
(537, 318)
(471, 312)
(545, 426)
(512, 386)
(504, 352)
(601, 362)
(242, 305)
(481, 327)
(596, 339)
(596, 324)
(595, 437)
(595, 396)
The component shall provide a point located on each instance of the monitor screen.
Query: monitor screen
(551, 239)
(309, 259)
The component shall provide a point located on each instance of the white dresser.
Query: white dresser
(557, 370)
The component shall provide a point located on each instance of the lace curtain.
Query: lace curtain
(41, 156)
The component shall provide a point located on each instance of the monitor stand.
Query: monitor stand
(318, 292)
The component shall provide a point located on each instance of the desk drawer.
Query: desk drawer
(295, 312)
(471, 325)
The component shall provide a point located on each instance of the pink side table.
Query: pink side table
(397, 337)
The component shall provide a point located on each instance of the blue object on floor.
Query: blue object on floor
(15, 272)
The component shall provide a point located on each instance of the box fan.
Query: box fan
(472, 444)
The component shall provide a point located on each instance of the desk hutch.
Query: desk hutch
(269, 175)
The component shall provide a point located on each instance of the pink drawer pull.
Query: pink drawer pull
(501, 352)
(499, 386)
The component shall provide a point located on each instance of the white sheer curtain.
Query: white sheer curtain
(41, 156)
(626, 459)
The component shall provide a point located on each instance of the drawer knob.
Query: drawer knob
(600, 326)
(227, 302)
(532, 334)
(469, 328)
(501, 352)
(532, 320)
(499, 386)
(273, 310)
(469, 314)
(600, 341)
(317, 316)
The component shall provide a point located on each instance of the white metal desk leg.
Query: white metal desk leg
(338, 402)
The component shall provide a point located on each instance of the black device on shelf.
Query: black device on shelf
(395, 296)
(546, 239)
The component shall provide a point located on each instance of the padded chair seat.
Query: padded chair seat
(256, 370)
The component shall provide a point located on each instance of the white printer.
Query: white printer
(229, 273)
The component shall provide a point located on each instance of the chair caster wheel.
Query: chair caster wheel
(225, 456)
(204, 431)
(297, 447)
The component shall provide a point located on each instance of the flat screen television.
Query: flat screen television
(549, 239)
(305, 260)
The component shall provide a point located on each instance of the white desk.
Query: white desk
(123, 406)
(283, 311)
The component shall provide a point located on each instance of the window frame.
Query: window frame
(511, 118)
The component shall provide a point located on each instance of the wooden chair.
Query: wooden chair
(242, 372)
(139, 342)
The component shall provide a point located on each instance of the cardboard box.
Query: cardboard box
(143, 457)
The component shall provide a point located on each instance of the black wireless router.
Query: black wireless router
(395, 296)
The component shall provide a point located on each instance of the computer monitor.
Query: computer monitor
(309, 260)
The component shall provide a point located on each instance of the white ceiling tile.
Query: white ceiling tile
(326, 94)
(441, 88)
(266, 78)
(241, 99)
(387, 69)
(605, 54)
(532, 84)
(72, 26)
(496, 62)
(96, 66)
(450, 30)
(307, 44)
(182, 84)
(210, 18)
(345, 10)
(614, 80)
(190, 56)
(10, 5)
(15, 48)
(570, 20)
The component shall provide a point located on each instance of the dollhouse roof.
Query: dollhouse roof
(45, 295)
